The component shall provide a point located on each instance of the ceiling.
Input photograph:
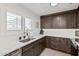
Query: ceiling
(45, 8)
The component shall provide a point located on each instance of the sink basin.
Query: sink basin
(26, 40)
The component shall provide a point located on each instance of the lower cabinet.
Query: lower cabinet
(74, 51)
(33, 49)
(17, 52)
(58, 43)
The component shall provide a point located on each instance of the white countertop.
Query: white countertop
(17, 45)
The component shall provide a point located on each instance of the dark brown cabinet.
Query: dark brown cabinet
(17, 52)
(74, 50)
(34, 49)
(59, 21)
(58, 43)
(46, 22)
(47, 41)
(77, 19)
(65, 45)
(70, 19)
(28, 52)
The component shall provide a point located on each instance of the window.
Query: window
(13, 21)
(27, 23)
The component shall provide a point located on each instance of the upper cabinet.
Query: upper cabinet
(46, 22)
(77, 18)
(68, 20)
(63, 20)
(58, 22)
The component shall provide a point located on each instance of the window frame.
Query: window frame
(25, 25)
(17, 29)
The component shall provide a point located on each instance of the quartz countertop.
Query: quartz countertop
(17, 45)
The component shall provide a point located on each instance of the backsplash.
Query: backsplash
(77, 33)
(68, 33)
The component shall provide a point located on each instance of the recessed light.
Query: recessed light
(53, 4)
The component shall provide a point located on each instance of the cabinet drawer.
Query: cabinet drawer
(15, 53)
(28, 52)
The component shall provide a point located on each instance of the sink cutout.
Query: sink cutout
(26, 40)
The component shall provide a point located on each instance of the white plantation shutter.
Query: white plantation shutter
(13, 21)
(27, 23)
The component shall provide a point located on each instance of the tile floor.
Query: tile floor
(50, 52)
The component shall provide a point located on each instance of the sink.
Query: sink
(26, 40)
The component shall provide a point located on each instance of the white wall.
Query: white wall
(8, 36)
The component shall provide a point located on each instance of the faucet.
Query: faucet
(25, 34)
